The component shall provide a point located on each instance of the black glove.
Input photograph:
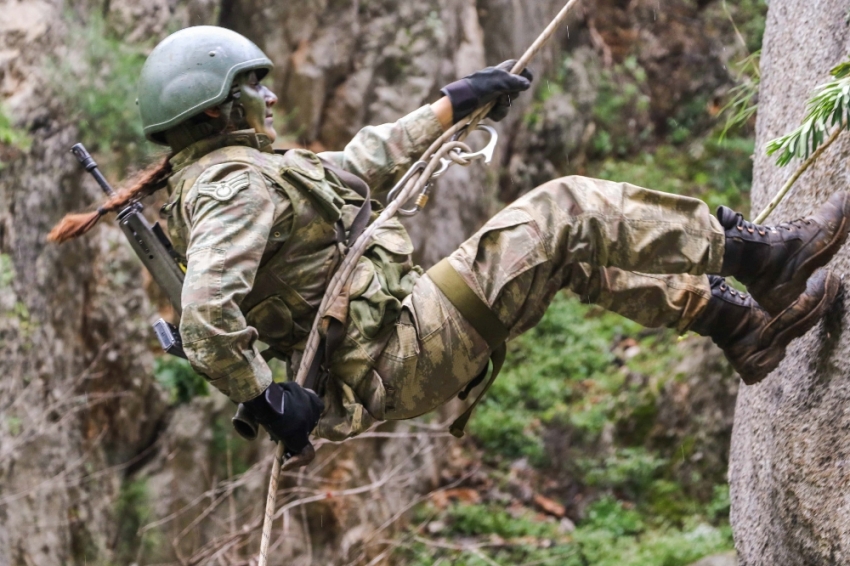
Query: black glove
(289, 412)
(484, 86)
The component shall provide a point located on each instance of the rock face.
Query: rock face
(790, 463)
(75, 363)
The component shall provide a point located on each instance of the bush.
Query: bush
(99, 85)
(543, 380)
(12, 137)
(179, 379)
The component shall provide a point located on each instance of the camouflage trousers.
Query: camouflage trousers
(637, 252)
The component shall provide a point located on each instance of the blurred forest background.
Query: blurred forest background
(602, 443)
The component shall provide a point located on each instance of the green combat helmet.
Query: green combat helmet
(192, 70)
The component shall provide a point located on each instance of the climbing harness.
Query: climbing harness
(447, 150)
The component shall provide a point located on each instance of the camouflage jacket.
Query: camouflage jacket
(259, 232)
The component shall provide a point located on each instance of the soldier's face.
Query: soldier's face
(257, 100)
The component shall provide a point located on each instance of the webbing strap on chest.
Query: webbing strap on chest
(335, 334)
(484, 321)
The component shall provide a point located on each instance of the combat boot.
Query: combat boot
(754, 343)
(774, 262)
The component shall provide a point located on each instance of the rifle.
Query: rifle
(153, 247)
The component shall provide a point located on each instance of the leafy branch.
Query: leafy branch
(827, 108)
(830, 106)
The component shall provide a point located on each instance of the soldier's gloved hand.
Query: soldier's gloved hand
(289, 412)
(483, 86)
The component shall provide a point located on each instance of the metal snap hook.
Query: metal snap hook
(486, 153)
(489, 150)
(415, 168)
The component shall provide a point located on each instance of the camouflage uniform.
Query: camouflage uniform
(568, 233)
(260, 232)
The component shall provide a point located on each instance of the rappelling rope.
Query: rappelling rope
(444, 148)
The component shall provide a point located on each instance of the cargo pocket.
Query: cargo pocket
(506, 247)
(397, 368)
(273, 321)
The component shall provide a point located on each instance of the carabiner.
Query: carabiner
(415, 168)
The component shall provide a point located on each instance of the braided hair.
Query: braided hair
(154, 178)
(146, 183)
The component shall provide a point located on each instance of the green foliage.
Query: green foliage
(612, 517)
(720, 503)
(828, 108)
(179, 379)
(601, 545)
(621, 110)
(11, 135)
(132, 511)
(748, 18)
(226, 440)
(630, 470)
(473, 520)
(98, 86)
(718, 172)
(15, 425)
(539, 381)
(12, 309)
(7, 270)
(743, 101)
(612, 535)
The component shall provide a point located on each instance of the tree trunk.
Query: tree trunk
(790, 464)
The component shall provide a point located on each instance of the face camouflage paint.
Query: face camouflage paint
(257, 101)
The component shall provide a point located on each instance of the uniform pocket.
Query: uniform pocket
(506, 247)
(397, 364)
(393, 237)
(273, 321)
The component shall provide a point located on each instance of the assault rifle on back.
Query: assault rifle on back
(154, 248)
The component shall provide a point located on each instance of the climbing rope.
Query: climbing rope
(450, 147)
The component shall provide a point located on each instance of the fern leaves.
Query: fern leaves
(828, 107)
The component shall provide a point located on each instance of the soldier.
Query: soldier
(262, 232)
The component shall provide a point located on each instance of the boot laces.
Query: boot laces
(762, 230)
(720, 284)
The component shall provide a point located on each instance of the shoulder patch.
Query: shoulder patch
(226, 189)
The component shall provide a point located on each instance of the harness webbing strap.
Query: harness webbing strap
(497, 359)
(473, 309)
(483, 320)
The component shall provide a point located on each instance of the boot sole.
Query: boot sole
(797, 285)
(761, 365)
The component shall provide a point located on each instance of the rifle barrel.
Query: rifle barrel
(86, 160)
